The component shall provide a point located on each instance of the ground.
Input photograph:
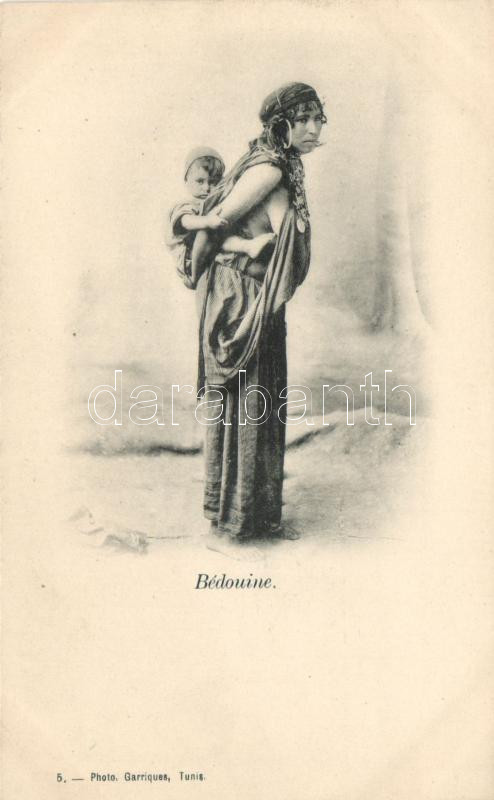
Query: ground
(139, 488)
(341, 483)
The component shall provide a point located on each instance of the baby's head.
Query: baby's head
(204, 168)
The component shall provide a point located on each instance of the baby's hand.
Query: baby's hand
(214, 221)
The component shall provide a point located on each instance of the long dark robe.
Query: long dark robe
(243, 333)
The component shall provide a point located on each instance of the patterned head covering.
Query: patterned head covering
(285, 98)
(202, 152)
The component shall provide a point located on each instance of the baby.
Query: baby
(204, 168)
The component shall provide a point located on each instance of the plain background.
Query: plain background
(367, 673)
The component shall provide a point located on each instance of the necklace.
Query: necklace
(297, 191)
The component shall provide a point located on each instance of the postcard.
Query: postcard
(247, 400)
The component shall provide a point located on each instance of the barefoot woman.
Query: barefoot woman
(242, 331)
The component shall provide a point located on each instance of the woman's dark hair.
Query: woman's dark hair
(276, 129)
(280, 109)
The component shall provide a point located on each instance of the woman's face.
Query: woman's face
(306, 127)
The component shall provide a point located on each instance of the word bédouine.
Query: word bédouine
(223, 581)
(295, 410)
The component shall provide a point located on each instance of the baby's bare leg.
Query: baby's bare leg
(202, 252)
(251, 247)
(235, 244)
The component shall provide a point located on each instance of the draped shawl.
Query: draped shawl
(236, 307)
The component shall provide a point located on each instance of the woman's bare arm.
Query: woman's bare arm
(250, 190)
(276, 207)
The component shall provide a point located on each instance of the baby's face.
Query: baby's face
(199, 182)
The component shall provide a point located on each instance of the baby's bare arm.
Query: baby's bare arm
(195, 222)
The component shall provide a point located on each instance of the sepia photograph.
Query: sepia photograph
(290, 374)
(247, 441)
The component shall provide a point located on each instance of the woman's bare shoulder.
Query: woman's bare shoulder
(266, 175)
(254, 185)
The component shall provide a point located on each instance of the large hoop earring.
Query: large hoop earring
(287, 145)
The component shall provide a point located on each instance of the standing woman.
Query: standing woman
(242, 331)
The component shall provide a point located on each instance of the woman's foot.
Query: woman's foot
(286, 531)
(214, 530)
(255, 246)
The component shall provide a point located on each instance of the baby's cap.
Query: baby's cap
(202, 152)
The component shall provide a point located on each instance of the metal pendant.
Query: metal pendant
(300, 225)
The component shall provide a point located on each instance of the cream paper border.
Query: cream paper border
(368, 672)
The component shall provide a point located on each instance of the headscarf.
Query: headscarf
(202, 152)
(285, 98)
